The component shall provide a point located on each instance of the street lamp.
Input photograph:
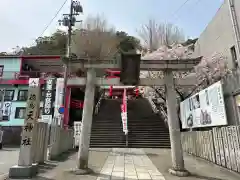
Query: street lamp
(69, 20)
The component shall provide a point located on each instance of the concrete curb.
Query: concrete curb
(4, 176)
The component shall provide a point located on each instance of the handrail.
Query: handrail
(99, 102)
(164, 114)
(158, 110)
(154, 107)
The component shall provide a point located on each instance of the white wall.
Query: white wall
(219, 34)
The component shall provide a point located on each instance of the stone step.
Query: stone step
(146, 129)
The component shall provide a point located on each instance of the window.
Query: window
(22, 95)
(234, 55)
(116, 74)
(9, 95)
(1, 70)
(20, 112)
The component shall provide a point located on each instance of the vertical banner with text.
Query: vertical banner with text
(124, 112)
(31, 116)
(48, 100)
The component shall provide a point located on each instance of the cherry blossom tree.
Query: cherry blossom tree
(210, 70)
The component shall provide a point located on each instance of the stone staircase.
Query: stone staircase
(107, 126)
(146, 129)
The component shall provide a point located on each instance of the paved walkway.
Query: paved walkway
(131, 164)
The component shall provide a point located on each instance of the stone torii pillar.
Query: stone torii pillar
(178, 167)
(83, 153)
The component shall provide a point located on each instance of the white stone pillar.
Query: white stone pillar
(25, 167)
(178, 168)
(42, 142)
(46, 142)
(82, 161)
(35, 144)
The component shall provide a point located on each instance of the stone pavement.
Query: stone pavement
(131, 164)
(8, 158)
(199, 168)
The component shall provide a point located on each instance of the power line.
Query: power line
(179, 8)
(50, 22)
(53, 18)
(177, 17)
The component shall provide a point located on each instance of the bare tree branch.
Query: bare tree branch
(156, 34)
(95, 39)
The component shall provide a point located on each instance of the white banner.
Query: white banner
(124, 122)
(204, 109)
(58, 100)
(77, 132)
(124, 112)
(48, 100)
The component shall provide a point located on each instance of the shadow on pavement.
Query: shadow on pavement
(47, 166)
(41, 178)
(8, 149)
(204, 177)
(107, 177)
(51, 164)
(64, 156)
(121, 153)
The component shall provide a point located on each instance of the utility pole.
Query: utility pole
(231, 4)
(69, 20)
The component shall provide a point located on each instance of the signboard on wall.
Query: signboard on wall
(204, 109)
(6, 111)
(48, 100)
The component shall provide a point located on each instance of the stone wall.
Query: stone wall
(231, 88)
(12, 135)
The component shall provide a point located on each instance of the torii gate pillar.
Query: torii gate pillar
(83, 153)
(178, 168)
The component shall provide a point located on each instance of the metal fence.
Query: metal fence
(219, 145)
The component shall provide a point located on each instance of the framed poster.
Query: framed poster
(204, 109)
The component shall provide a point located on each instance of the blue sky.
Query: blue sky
(23, 21)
